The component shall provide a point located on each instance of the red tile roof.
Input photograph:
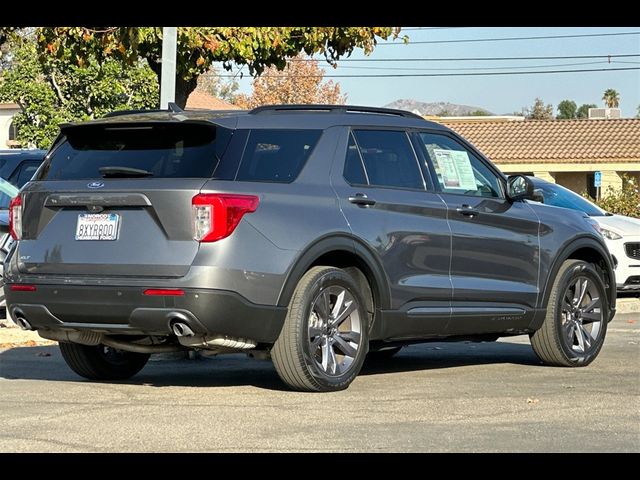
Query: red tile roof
(550, 141)
(203, 101)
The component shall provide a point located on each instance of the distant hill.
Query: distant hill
(435, 108)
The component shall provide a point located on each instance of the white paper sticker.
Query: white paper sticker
(455, 169)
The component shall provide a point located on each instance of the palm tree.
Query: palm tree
(611, 98)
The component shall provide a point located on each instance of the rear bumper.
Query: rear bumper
(125, 310)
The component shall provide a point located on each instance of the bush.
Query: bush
(622, 202)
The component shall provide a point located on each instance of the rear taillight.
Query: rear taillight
(15, 217)
(215, 216)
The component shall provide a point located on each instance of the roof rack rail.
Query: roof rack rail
(268, 109)
(172, 107)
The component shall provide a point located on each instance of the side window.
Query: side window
(276, 155)
(458, 170)
(353, 169)
(388, 159)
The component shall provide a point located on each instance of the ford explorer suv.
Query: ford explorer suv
(312, 234)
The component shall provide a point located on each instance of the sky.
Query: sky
(498, 94)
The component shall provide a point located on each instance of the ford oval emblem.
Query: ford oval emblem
(95, 184)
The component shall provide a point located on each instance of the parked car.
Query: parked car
(621, 233)
(7, 193)
(310, 234)
(18, 166)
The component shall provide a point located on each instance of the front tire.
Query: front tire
(574, 329)
(100, 362)
(324, 340)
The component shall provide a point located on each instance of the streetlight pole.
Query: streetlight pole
(168, 72)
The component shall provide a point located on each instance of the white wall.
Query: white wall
(6, 114)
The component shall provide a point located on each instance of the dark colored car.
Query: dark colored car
(313, 234)
(18, 166)
(7, 193)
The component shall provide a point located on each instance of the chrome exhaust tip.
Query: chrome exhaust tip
(23, 323)
(181, 329)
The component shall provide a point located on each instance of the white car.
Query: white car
(621, 234)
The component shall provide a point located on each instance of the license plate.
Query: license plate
(97, 226)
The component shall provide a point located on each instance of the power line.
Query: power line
(465, 59)
(503, 39)
(482, 68)
(468, 74)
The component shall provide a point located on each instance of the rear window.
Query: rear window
(276, 155)
(163, 150)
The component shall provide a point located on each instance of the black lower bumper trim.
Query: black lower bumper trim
(127, 310)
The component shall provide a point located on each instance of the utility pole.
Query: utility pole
(168, 72)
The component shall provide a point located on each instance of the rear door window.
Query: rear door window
(276, 155)
(388, 159)
(164, 150)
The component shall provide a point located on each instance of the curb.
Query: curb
(627, 305)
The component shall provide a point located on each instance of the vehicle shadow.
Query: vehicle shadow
(46, 363)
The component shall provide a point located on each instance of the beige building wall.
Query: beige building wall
(574, 175)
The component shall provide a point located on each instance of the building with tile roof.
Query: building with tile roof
(199, 100)
(567, 152)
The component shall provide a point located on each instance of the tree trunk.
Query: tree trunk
(183, 87)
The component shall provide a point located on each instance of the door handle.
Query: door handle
(467, 211)
(362, 200)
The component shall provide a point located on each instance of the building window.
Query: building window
(591, 190)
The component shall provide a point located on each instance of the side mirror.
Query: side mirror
(519, 187)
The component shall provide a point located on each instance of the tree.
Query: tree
(302, 82)
(611, 98)
(638, 115)
(540, 111)
(199, 47)
(212, 83)
(479, 113)
(567, 109)
(59, 91)
(583, 111)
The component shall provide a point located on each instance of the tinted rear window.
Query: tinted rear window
(276, 155)
(165, 150)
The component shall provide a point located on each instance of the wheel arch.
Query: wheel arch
(339, 251)
(590, 250)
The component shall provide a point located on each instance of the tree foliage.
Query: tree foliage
(567, 109)
(199, 47)
(624, 201)
(300, 82)
(611, 98)
(213, 84)
(583, 110)
(58, 90)
(540, 111)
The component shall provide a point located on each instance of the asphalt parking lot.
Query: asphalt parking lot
(431, 397)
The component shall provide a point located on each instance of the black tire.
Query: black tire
(102, 363)
(553, 343)
(293, 354)
(383, 354)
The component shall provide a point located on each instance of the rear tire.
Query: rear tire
(324, 340)
(574, 329)
(100, 362)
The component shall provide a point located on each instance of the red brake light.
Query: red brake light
(172, 292)
(215, 215)
(15, 217)
(21, 287)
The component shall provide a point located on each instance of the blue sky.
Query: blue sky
(498, 94)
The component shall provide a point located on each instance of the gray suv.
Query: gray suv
(312, 234)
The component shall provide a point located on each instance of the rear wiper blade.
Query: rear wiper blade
(112, 172)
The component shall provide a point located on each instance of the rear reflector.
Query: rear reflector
(215, 215)
(174, 292)
(23, 288)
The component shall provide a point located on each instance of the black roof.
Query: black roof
(278, 116)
